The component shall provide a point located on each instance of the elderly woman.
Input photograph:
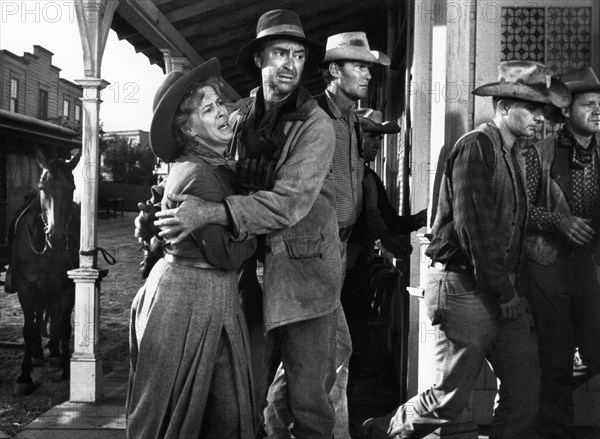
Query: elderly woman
(190, 372)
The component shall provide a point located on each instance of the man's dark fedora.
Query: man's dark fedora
(371, 121)
(581, 80)
(276, 24)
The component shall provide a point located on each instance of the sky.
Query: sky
(127, 101)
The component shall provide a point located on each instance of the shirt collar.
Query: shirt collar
(570, 139)
(508, 139)
(336, 111)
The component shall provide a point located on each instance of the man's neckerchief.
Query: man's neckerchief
(580, 157)
(261, 138)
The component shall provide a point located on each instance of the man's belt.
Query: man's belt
(345, 233)
(454, 267)
(189, 262)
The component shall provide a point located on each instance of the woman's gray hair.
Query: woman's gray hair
(189, 103)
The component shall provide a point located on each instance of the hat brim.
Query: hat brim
(583, 86)
(368, 126)
(354, 54)
(382, 58)
(553, 114)
(162, 138)
(245, 57)
(557, 94)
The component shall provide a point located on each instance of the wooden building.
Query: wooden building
(38, 109)
(440, 51)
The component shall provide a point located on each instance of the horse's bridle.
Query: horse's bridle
(46, 238)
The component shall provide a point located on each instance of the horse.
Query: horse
(44, 246)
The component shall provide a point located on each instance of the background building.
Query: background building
(139, 137)
(39, 111)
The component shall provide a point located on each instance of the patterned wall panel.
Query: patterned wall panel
(522, 34)
(569, 38)
(557, 37)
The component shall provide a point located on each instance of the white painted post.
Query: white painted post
(439, 59)
(94, 18)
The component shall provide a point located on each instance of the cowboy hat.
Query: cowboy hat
(581, 80)
(371, 121)
(527, 81)
(166, 101)
(274, 24)
(578, 80)
(352, 46)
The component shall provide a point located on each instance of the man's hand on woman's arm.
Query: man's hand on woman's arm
(193, 213)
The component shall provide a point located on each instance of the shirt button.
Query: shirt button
(507, 250)
(513, 224)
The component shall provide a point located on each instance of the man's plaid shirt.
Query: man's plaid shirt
(482, 211)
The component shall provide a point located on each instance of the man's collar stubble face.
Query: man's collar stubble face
(371, 145)
(351, 79)
(583, 115)
(522, 118)
(281, 63)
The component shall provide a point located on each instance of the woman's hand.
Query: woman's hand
(144, 228)
(193, 213)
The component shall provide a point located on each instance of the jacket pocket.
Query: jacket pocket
(304, 248)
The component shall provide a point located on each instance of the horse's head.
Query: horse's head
(56, 188)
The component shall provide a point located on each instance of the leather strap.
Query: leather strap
(189, 262)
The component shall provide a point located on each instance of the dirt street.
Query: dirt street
(117, 291)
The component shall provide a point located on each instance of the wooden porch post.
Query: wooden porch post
(94, 18)
(443, 54)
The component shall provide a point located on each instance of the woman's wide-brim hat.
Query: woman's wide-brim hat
(166, 102)
(371, 121)
(277, 24)
(353, 46)
(527, 81)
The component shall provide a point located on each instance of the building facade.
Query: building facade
(39, 111)
(32, 86)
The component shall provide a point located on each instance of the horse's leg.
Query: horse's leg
(37, 352)
(67, 303)
(31, 335)
(53, 315)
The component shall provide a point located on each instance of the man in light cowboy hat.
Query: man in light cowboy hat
(346, 65)
(471, 295)
(285, 145)
(563, 179)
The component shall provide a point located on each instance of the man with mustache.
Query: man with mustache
(471, 295)
(285, 144)
(563, 182)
